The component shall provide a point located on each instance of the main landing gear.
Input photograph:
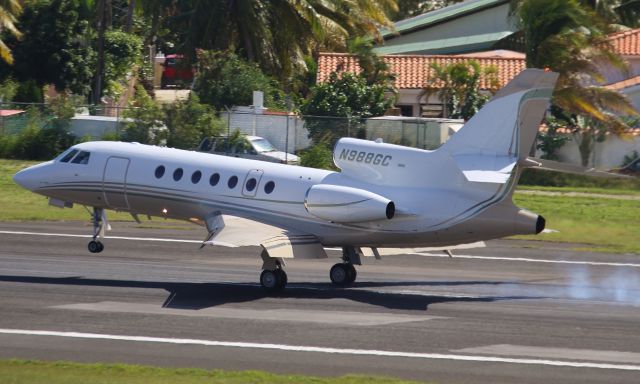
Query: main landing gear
(98, 221)
(274, 279)
(344, 274)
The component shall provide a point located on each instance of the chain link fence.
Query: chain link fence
(286, 131)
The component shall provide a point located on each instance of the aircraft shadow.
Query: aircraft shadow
(196, 296)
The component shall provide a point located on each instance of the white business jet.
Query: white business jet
(386, 196)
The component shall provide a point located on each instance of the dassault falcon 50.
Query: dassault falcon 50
(385, 196)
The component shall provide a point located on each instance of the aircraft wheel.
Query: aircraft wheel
(95, 246)
(340, 274)
(282, 276)
(273, 281)
(352, 272)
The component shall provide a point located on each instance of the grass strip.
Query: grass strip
(62, 372)
(606, 225)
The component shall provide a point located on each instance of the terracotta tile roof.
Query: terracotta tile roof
(624, 83)
(627, 42)
(412, 71)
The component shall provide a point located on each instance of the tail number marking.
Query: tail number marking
(365, 157)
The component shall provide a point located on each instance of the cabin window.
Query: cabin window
(160, 171)
(195, 178)
(214, 179)
(69, 156)
(81, 158)
(177, 174)
(251, 184)
(233, 181)
(268, 188)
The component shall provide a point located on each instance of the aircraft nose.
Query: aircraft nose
(26, 179)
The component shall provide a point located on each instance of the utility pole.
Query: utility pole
(101, 21)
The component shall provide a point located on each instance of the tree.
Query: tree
(53, 49)
(189, 122)
(458, 87)
(121, 56)
(373, 68)
(145, 120)
(9, 10)
(570, 38)
(411, 8)
(624, 12)
(336, 108)
(226, 80)
(277, 34)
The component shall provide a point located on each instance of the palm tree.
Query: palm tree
(9, 11)
(624, 12)
(278, 33)
(570, 38)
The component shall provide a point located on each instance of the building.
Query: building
(470, 26)
(413, 71)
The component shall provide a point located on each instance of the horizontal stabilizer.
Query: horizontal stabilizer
(486, 168)
(550, 165)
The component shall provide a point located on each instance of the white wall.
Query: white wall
(606, 155)
(272, 128)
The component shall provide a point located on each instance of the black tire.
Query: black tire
(272, 281)
(95, 246)
(339, 274)
(282, 276)
(352, 272)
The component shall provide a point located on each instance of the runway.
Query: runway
(514, 312)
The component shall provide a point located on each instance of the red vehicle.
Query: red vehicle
(175, 72)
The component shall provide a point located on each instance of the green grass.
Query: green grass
(28, 371)
(597, 190)
(607, 225)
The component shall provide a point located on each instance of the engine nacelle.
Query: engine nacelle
(347, 205)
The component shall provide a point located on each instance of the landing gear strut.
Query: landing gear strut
(95, 246)
(344, 274)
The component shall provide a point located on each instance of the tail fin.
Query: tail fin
(501, 134)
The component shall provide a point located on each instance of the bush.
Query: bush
(348, 98)
(146, 116)
(556, 179)
(225, 80)
(190, 121)
(318, 156)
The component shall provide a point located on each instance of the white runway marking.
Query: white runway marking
(529, 260)
(340, 351)
(520, 259)
(116, 237)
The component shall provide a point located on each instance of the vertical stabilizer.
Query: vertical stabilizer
(502, 133)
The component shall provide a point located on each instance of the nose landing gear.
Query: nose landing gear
(99, 221)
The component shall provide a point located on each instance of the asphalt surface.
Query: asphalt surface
(514, 312)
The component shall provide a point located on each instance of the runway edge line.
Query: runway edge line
(300, 348)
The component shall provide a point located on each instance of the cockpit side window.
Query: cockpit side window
(68, 156)
(82, 158)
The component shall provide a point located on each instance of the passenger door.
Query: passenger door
(114, 183)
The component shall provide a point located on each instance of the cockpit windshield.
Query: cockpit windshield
(81, 158)
(68, 156)
(78, 156)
